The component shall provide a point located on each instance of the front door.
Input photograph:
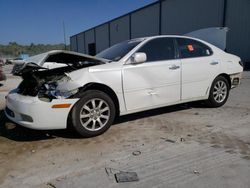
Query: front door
(155, 82)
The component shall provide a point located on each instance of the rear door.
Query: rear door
(155, 82)
(199, 68)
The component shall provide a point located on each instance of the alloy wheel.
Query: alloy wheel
(220, 91)
(95, 114)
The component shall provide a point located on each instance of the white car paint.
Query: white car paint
(42, 113)
(138, 87)
(149, 84)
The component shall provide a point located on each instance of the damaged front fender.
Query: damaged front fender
(65, 88)
(49, 84)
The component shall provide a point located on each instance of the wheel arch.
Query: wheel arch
(211, 101)
(104, 88)
(227, 77)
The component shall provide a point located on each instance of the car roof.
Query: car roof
(163, 36)
(173, 36)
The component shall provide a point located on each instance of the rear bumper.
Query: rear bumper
(235, 79)
(33, 113)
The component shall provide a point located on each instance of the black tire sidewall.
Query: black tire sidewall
(211, 101)
(84, 97)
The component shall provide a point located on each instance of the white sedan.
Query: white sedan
(136, 75)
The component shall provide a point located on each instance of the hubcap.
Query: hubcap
(220, 91)
(94, 114)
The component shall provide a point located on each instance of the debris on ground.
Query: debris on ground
(189, 135)
(168, 140)
(231, 151)
(196, 172)
(209, 126)
(122, 177)
(60, 178)
(196, 113)
(33, 151)
(182, 139)
(136, 153)
(111, 171)
(247, 157)
(11, 176)
(51, 185)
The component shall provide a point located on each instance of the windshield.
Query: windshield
(118, 51)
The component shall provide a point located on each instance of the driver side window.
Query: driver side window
(159, 49)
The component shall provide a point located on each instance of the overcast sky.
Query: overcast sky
(40, 21)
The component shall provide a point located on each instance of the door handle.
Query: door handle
(214, 63)
(174, 67)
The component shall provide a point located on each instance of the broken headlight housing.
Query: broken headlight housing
(51, 91)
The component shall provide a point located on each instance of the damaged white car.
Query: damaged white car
(88, 92)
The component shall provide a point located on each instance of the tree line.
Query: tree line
(14, 49)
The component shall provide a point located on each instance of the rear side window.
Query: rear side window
(189, 48)
(159, 49)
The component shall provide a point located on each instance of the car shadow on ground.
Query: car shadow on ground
(15, 132)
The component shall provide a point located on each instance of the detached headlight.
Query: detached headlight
(50, 90)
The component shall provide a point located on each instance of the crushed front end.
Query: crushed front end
(36, 102)
(45, 97)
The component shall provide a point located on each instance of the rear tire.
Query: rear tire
(219, 92)
(93, 114)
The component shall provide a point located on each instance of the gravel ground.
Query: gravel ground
(179, 146)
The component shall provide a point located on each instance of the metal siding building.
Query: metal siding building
(119, 29)
(172, 17)
(180, 17)
(145, 22)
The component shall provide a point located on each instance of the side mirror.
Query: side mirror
(138, 57)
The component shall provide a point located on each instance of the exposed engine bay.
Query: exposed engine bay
(42, 82)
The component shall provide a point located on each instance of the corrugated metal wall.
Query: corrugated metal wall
(238, 20)
(174, 17)
(80, 43)
(145, 22)
(119, 30)
(102, 37)
(89, 38)
(180, 17)
(73, 43)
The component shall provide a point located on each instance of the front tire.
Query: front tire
(93, 114)
(219, 92)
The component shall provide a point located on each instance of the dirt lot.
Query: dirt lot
(180, 146)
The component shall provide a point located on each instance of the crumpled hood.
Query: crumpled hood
(56, 58)
(40, 59)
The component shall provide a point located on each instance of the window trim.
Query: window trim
(179, 52)
(175, 49)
